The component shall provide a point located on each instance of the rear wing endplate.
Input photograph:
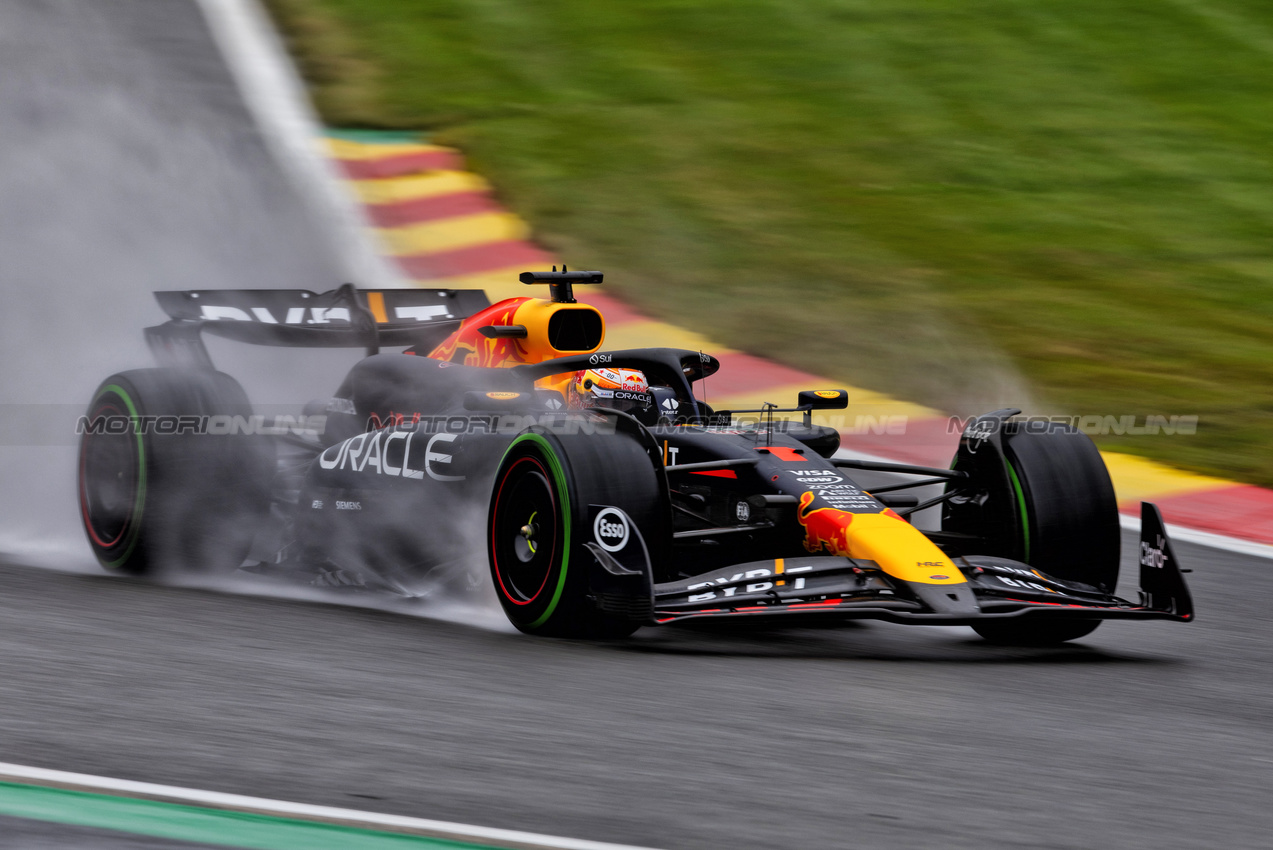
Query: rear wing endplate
(340, 318)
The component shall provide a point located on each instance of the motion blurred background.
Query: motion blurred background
(1065, 205)
(1061, 206)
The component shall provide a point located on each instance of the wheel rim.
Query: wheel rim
(109, 480)
(524, 531)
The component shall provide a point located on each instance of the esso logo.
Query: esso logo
(610, 530)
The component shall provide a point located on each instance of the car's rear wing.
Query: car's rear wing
(341, 318)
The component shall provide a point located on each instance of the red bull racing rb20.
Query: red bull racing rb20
(598, 491)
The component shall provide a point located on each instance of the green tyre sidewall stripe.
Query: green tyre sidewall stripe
(1021, 510)
(559, 475)
(139, 503)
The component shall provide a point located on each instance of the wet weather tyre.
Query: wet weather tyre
(1069, 514)
(156, 490)
(1067, 523)
(536, 526)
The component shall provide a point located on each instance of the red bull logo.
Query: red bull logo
(469, 346)
(826, 529)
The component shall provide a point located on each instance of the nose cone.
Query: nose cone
(898, 547)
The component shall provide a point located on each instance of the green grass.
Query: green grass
(1064, 204)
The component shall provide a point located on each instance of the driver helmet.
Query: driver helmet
(624, 390)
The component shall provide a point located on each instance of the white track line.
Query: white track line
(276, 99)
(350, 817)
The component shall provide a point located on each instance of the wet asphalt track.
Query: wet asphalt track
(126, 164)
(1143, 736)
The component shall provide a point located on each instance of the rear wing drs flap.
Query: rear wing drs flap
(341, 318)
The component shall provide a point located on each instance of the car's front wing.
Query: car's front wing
(994, 588)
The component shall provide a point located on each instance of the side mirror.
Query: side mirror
(823, 400)
(811, 400)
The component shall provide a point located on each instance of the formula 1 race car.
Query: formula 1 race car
(599, 491)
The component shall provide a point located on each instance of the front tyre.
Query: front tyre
(536, 526)
(1068, 525)
(1057, 512)
(1069, 514)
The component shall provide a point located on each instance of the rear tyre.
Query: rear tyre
(536, 526)
(1065, 522)
(154, 492)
